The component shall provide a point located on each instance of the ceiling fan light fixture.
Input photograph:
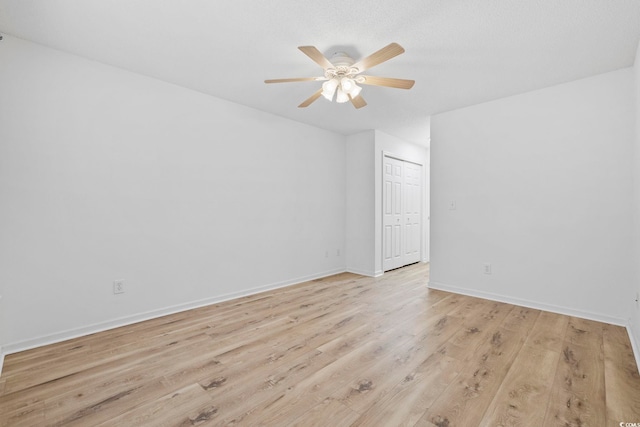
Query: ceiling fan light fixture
(329, 88)
(347, 84)
(341, 96)
(355, 91)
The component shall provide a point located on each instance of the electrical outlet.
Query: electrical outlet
(326, 254)
(452, 205)
(118, 286)
(487, 268)
(338, 252)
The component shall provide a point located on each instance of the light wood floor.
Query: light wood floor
(345, 350)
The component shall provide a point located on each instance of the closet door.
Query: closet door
(402, 213)
(393, 215)
(412, 190)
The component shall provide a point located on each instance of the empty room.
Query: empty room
(339, 213)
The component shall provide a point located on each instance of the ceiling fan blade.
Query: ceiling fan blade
(358, 101)
(310, 99)
(298, 79)
(317, 56)
(388, 82)
(384, 54)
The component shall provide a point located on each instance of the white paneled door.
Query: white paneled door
(402, 213)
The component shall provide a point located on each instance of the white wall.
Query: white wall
(360, 185)
(106, 175)
(542, 183)
(401, 149)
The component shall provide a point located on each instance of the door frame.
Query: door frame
(381, 207)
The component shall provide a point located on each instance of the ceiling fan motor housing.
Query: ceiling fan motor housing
(342, 59)
(342, 67)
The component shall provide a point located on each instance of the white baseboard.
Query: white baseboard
(140, 317)
(598, 317)
(361, 272)
(635, 345)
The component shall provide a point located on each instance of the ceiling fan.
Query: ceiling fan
(342, 75)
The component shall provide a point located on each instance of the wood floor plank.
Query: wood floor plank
(67, 366)
(578, 394)
(293, 402)
(68, 374)
(581, 331)
(101, 411)
(622, 381)
(521, 319)
(524, 391)
(188, 406)
(548, 331)
(465, 401)
(342, 350)
(373, 383)
(24, 413)
(329, 412)
(406, 403)
(133, 378)
(477, 327)
(239, 395)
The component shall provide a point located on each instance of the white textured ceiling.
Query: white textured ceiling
(459, 52)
